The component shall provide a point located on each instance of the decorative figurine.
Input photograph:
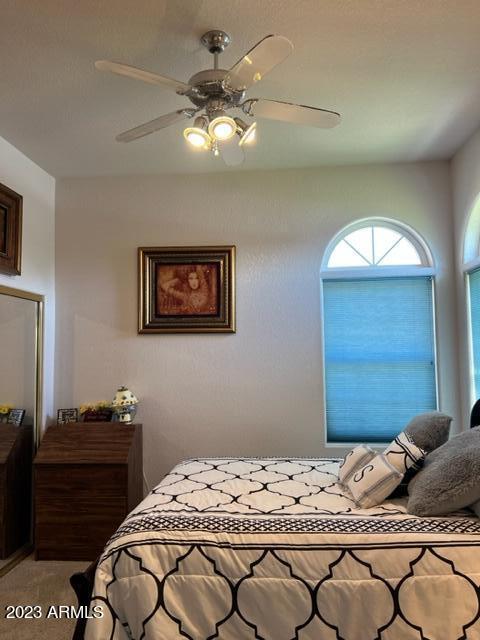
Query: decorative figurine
(125, 405)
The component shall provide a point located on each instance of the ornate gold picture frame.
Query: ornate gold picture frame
(186, 289)
(10, 231)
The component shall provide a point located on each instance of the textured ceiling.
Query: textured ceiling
(404, 74)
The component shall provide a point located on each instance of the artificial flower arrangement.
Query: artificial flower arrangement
(4, 411)
(96, 411)
(94, 406)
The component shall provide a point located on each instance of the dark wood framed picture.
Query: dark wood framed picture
(10, 231)
(186, 289)
(64, 416)
(16, 417)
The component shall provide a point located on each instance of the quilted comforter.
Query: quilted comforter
(275, 549)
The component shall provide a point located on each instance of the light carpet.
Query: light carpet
(43, 584)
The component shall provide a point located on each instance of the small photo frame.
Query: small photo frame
(16, 417)
(186, 289)
(10, 231)
(64, 416)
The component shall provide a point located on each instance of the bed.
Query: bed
(275, 549)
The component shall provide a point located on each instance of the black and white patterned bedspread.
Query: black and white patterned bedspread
(275, 549)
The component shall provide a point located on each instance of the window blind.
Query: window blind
(379, 356)
(474, 291)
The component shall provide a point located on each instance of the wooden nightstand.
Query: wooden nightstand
(88, 477)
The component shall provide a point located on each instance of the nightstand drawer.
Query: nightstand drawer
(78, 528)
(80, 511)
(80, 480)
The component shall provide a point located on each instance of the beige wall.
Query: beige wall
(38, 255)
(259, 391)
(466, 192)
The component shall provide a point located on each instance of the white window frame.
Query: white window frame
(471, 262)
(470, 266)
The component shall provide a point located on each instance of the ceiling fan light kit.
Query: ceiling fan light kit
(221, 127)
(197, 135)
(246, 132)
(215, 91)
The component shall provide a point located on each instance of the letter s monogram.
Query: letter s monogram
(345, 459)
(361, 474)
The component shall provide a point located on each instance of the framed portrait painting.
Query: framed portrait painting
(10, 231)
(186, 289)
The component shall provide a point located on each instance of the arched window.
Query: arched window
(471, 260)
(379, 336)
(376, 243)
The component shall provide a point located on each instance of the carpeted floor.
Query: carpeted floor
(43, 584)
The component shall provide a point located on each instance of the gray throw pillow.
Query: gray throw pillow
(429, 430)
(449, 479)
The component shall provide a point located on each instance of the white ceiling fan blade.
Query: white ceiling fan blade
(258, 62)
(145, 76)
(155, 125)
(288, 112)
(231, 152)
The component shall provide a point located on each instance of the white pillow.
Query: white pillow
(371, 484)
(403, 453)
(354, 460)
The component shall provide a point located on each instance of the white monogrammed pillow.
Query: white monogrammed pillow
(355, 459)
(371, 484)
(403, 453)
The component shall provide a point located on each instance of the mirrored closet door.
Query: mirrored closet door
(21, 332)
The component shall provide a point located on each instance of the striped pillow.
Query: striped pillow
(404, 454)
(371, 484)
(354, 460)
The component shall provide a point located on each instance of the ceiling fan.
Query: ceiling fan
(216, 91)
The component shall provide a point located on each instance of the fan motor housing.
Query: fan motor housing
(215, 40)
(210, 84)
